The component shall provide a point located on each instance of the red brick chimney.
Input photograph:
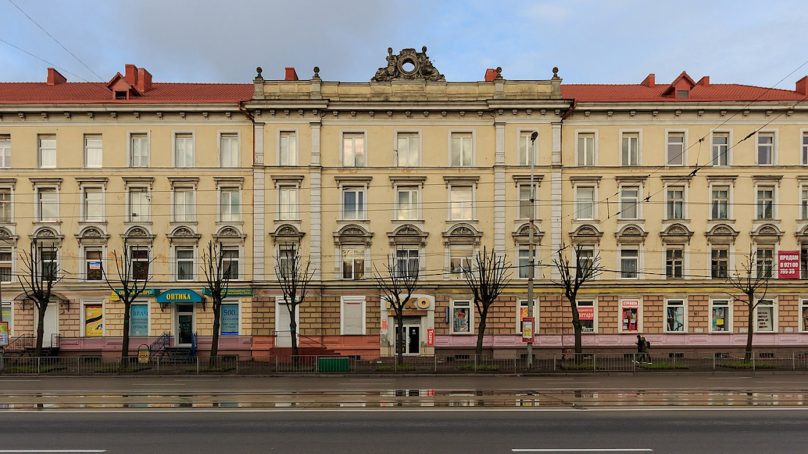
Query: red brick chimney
(490, 74)
(55, 77)
(131, 75)
(704, 81)
(649, 81)
(144, 82)
(291, 74)
(802, 86)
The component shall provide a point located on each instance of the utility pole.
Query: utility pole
(531, 252)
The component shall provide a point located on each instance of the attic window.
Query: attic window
(682, 94)
(120, 94)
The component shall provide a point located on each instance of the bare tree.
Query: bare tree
(573, 276)
(129, 282)
(293, 278)
(217, 280)
(752, 279)
(486, 278)
(397, 282)
(41, 272)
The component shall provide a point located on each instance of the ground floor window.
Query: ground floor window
(353, 315)
(765, 317)
(719, 316)
(6, 311)
(586, 314)
(6, 262)
(93, 317)
(630, 315)
(675, 316)
(230, 319)
(523, 311)
(139, 320)
(461, 317)
(803, 315)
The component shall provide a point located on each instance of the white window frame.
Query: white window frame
(759, 187)
(140, 218)
(12, 251)
(174, 149)
(453, 304)
(638, 213)
(84, 203)
(535, 314)
(85, 261)
(466, 260)
(190, 215)
(804, 146)
(131, 149)
(416, 209)
(5, 151)
(773, 248)
(361, 213)
(473, 134)
(773, 134)
(237, 217)
(803, 321)
(37, 194)
(713, 161)
(87, 149)
(729, 315)
(524, 160)
(803, 201)
(775, 316)
(10, 189)
(473, 189)
(10, 319)
(620, 262)
(239, 261)
(418, 256)
(587, 132)
(343, 159)
(83, 316)
(625, 133)
(668, 143)
(419, 144)
(41, 161)
(729, 259)
(683, 300)
(639, 315)
(222, 135)
(679, 247)
(361, 252)
(361, 300)
(675, 186)
(282, 133)
(293, 213)
(594, 202)
(717, 186)
(233, 302)
(175, 262)
(534, 193)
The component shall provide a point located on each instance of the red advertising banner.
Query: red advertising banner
(586, 313)
(430, 337)
(788, 264)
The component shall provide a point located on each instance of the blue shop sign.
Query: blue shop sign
(179, 296)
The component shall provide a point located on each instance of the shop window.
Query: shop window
(765, 321)
(719, 316)
(803, 315)
(139, 320)
(675, 316)
(461, 317)
(522, 312)
(229, 319)
(353, 315)
(93, 320)
(6, 310)
(629, 316)
(586, 314)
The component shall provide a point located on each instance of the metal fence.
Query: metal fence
(438, 364)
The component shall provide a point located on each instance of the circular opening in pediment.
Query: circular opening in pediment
(408, 66)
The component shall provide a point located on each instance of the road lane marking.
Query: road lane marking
(583, 450)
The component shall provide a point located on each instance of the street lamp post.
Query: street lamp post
(531, 252)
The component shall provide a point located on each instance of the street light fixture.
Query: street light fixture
(531, 249)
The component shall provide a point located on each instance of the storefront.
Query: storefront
(184, 303)
(418, 327)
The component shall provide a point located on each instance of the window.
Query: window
(408, 153)
(764, 261)
(719, 202)
(6, 310)
(629, 202)
(93, 201)
(183, 150)
(47, 151)
(586, 149)
(5, 151)
(584, 202)
(804, 148)
(462, 150)
(765, 202)
(461, 203)
(353, 263)
(461, 317)
(353, 315)
(629, 263)
(228, 150)
(139, 256)
(676, 202)
(407, 262)
(48, 263)
(47, 204)
(527, 201)
(407, 203)
(674, 263)
(353, 203)
(139, 205)
(803, 315)
(93, 319)
(765, 317)
(139, 320)
(675, 316)
(524, 262)
(720, 321)
(804, 203)
(630, 316)
(287, 203)
(631, 148)
(676, 148)
(460, 258)
(93, 151)
(288, 148)
(720, 149)
(286, 255)
(139, 150)
(6, 206)
(6, 264)
(353, 150)
(586, 314)
(765, 148)
(230, 262)
(523, 312)
(184, 204)
(586, 259)
(184, 257)
(719, 263)
(230, 319)
(527, 149)
(93, 264)
(230, 204)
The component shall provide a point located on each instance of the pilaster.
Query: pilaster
(315, 180)
(258, 199)
(499, 190)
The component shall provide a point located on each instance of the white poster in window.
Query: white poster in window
(765, 320)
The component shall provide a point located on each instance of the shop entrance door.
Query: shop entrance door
(412, 339)
(185, 325)
(50, 324)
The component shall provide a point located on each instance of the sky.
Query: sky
(617, 41)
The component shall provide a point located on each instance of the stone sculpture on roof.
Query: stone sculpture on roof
(409, 64)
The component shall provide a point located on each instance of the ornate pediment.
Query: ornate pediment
(407, 234)
(676, 233)
(586, 234)
(767, 233)
(184, 234)
(721, 234)
(462, 234)
(352, 234)
(631, 234)
(409, 64)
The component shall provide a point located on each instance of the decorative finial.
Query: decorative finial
(423, 49)
(555, 72)
(316, 75)
(259, 70)
(499, 73)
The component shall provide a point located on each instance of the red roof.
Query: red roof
(98, 93)
(654, 93)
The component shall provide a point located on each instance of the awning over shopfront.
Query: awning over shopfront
(179, 296)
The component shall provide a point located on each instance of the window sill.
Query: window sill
(131, 223)
(287, 221)
(588, 221)
(354, 221)
(721, 221)
(407, 221)
(455, 221)
(102, 222)
(175, 223)
(239, 222)
(53, 222)
(766, 221)
(676, 220)
(631, 221)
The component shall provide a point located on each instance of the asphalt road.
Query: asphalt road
(408, 431)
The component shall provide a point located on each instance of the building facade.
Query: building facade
(671, 185)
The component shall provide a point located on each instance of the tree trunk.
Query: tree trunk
(127, 309)
(40, 329)
(400, 338)
(750, 329)
(214, 346)
(481, 332)
(293, 331)
(577, 329)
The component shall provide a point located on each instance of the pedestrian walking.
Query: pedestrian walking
(640, 348)
(646, 350)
